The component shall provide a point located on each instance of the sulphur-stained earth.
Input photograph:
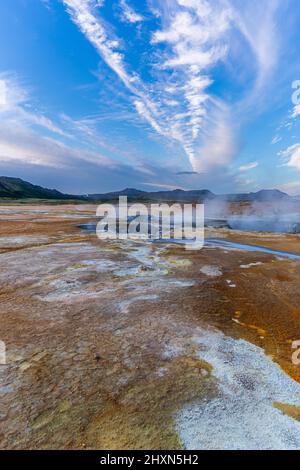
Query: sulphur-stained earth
(127, 345)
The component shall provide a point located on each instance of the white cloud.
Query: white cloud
(21, 144)
(248, 166)
(85, 17)
(46, 3)
(146, 114)
(196, 35)
(199, 33)
(171, 102)
(256, 20)
(42, 121)
(292, 156)
(170, 187)
(290, 121)
(15, 106)
(24, 133)
(218, 146)
(296, 111)
(194, 83)
(29, 137)
(276, 139)
(128, 13)
(3, 94)
(292, 188)
(12, 94)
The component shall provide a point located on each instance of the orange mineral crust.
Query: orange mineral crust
(121, 345)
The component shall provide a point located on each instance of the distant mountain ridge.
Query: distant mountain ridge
(16, 188)
(175, 195)
(263, 195)
(202, 195)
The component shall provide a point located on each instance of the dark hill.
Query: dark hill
(16, 188)
(176, 195)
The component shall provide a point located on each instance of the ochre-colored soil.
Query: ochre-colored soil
(99, 334)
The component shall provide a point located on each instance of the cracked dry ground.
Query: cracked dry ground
(116, 345)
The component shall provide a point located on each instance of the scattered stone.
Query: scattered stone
(211, 271)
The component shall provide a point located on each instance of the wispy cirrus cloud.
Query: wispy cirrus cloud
(193, 37)
(177, 84)
(292, 188)
(218, 147)
(21, 144)
(129, 14)
(30, 137)
(248, 166)
(2, 94)
(181, 32)
(12, 95)
(291, 156)
(84, 14)
(15, 106)
(276, 139)
(195, 33)
(257, 22)
(296, 111)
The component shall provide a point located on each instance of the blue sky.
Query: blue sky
(98, 95)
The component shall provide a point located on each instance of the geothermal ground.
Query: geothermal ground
(127, 345)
